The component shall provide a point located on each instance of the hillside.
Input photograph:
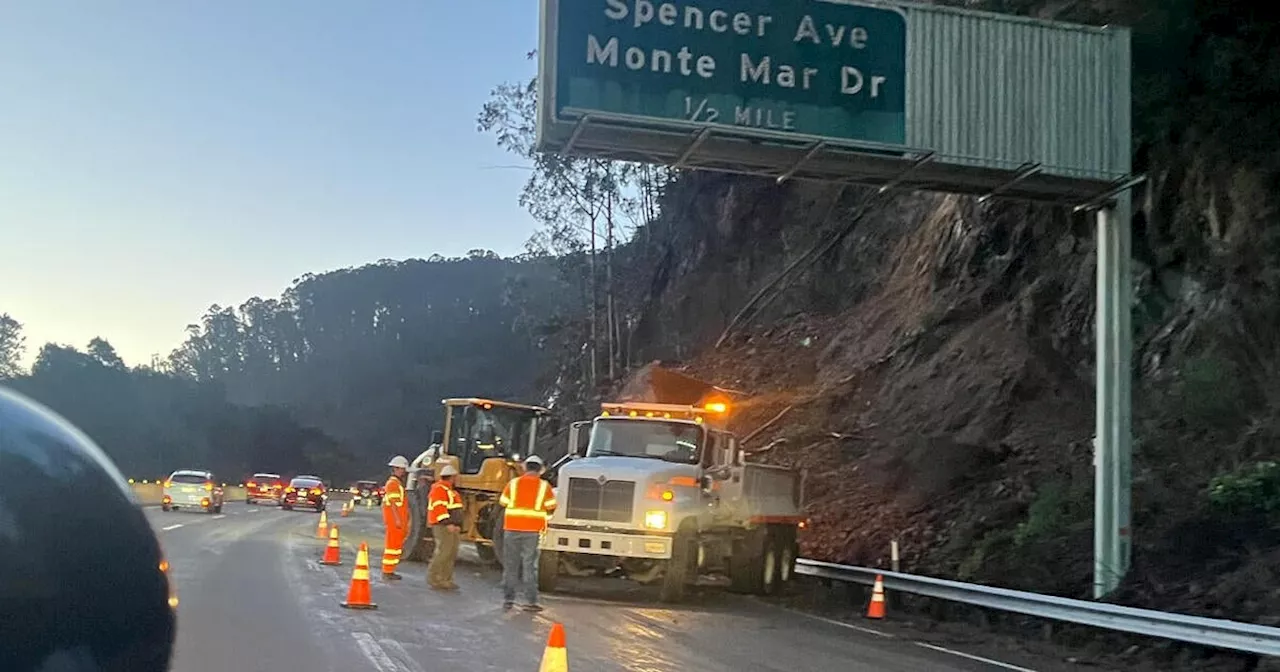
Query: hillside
(933, 356)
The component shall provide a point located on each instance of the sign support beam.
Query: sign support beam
(1113, 443)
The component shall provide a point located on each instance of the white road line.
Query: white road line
(842, 624)
(373, 651)
(394, 647)
(220, 516)
(252, 511)
(970, 656)
(171, 527)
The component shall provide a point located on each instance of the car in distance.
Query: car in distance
(367, 490)
(264, 486)
(305, 492)
(192, 489)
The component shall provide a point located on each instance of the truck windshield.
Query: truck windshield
(655, 439)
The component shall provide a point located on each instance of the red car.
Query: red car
(264, 486)
(305, 493)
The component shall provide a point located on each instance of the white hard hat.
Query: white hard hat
(447, 470)
(534, 459)
(399, 461)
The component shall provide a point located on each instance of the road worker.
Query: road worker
(444, 515)
(82, 588)
(395, 516)
(529, 500)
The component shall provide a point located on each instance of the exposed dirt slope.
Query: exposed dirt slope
(933, 373)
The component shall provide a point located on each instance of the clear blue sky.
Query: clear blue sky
(158, 156)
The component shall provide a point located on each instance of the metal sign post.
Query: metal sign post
(1112, 545)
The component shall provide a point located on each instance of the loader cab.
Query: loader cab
(478, 431)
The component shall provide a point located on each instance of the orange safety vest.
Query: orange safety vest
(441, 501)
(394, 511)
(529, 501)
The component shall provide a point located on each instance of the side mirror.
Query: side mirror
(437, 437)
(705, 482)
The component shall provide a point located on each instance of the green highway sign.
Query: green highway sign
(813, 67)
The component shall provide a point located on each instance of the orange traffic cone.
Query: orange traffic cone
(358, 596)
(346, 509)
(555, 658)
(332, 551)
(322, 530)
(876, 608)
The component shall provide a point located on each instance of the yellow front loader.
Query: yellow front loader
(486, 441)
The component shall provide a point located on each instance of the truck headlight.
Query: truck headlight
(655, 520)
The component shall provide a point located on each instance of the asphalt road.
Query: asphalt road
(253, 597)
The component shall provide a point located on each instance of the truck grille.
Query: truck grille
(611, 501)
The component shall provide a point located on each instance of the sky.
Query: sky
(160, 156)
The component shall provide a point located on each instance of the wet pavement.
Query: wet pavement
(253, 596)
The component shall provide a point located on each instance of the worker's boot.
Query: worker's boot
(391, 576)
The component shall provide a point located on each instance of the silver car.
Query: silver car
(192, 489)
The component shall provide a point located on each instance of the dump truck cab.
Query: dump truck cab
(662, 494)
(486, 440)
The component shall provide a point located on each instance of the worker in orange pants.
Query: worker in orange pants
(395, 516)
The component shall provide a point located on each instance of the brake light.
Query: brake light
(208, 486)
(252, 484)
(289, 489)
(315, 491)
(168, 484)
(166, 499)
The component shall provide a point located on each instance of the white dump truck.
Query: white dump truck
(661, 494)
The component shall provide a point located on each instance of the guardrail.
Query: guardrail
(1213, 632)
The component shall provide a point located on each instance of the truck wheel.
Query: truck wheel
(746, 566)
(787, 553)
(677, 571)
(548, 570)
(769, 568)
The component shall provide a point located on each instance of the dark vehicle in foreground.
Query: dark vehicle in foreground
(369, 490)
(305, 493)
(191, 489)
(264, 487)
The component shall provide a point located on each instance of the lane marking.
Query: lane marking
(252, 511)
(220, 516)
(393, 646)
(970, 656)
(373, 651)
(847, 626)
(171, 527)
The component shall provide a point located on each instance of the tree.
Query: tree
(365, 354)
(12, 345)
(576, 200)
(101, 350)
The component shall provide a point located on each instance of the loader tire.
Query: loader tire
(420, 544)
